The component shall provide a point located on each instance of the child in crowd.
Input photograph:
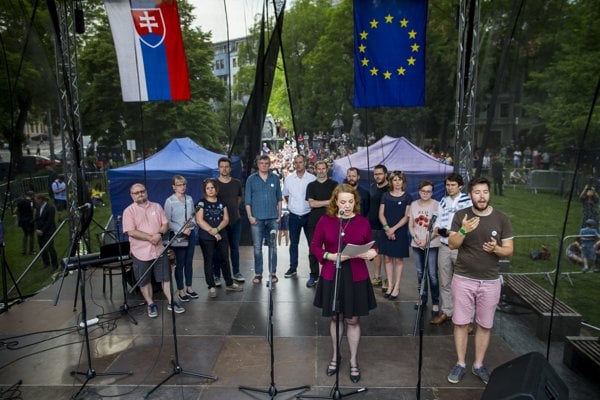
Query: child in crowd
(589, 235)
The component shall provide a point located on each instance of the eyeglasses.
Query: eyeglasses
(139, 192)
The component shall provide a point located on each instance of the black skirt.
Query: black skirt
(355, 298)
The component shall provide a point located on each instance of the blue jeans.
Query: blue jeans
(431, 272)
(184, 257)
(296, 224)
(259, 232)
(234, 235)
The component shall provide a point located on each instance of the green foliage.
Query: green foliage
(565, 87)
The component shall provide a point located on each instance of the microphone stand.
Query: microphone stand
(335, 393)
(177, 368)
(272, 390)
(91, 372)
(419, 317)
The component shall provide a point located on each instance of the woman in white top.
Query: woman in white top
(421, 212)
(179, 208)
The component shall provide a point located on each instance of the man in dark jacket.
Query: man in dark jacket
(45, 226)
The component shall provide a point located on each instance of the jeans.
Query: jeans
(184, 257)
(233, 233)
(432, 273)
(296, 224)
(260, 231)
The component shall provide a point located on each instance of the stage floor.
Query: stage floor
(226, 337)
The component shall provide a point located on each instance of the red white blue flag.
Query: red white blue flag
(149, 46)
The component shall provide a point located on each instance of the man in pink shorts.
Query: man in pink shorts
(482, 236)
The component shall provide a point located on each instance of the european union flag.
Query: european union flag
(389, 53)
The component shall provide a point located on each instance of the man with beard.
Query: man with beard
(482, 236)
(378, 188)
(145, 223)
(353, 178)
(453, 201)
(318, 193)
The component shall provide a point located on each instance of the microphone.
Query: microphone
(341, 213)
(432, 222)
(85, 206)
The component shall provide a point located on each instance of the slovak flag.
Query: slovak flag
(149, 46)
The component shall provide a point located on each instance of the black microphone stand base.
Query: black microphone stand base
(272, 390)
(178, 370)
(91, 374)
(334, 394)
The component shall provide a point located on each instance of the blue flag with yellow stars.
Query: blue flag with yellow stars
(389, 53)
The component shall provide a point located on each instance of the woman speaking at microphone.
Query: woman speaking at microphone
(355, 294)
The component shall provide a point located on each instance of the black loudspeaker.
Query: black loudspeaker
(526, 377)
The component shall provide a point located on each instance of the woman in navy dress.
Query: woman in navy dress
(394, 212)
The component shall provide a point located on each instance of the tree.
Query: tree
(26, 77)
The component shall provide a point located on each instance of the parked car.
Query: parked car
(31, 163)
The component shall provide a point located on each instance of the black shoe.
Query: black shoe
(354, 373)
(290, 273)
(331, 368)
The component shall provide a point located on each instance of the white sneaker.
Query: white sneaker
(212, 292)
(234, 287)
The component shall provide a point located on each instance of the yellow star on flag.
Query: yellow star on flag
(404, 22)
(363, 35)
(364, 62)
(388, 19)
(387, 75)
(411, 61)
(374, 23)
(412, 34)
(401, 71)
(362, 48)
(415, 48)
(374, 71)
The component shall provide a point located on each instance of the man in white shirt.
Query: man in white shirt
(294, 192)
(449, 205)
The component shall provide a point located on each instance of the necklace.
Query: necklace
(345, 226)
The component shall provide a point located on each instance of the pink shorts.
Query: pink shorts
(472, 297)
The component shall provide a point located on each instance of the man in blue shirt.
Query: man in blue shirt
(263, 206)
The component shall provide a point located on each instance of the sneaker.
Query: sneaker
(212, 292)
(234, 287)
(290, 273)
(239, 278)
(585, 269)
(376, 282)
(152, 310)
(192, 294)
(217, 281)
(481, 372)
(311, 282)
(177, 307)
(456, 374)
(184, 299)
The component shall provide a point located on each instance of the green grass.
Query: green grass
(38, 277)
(543, 214)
